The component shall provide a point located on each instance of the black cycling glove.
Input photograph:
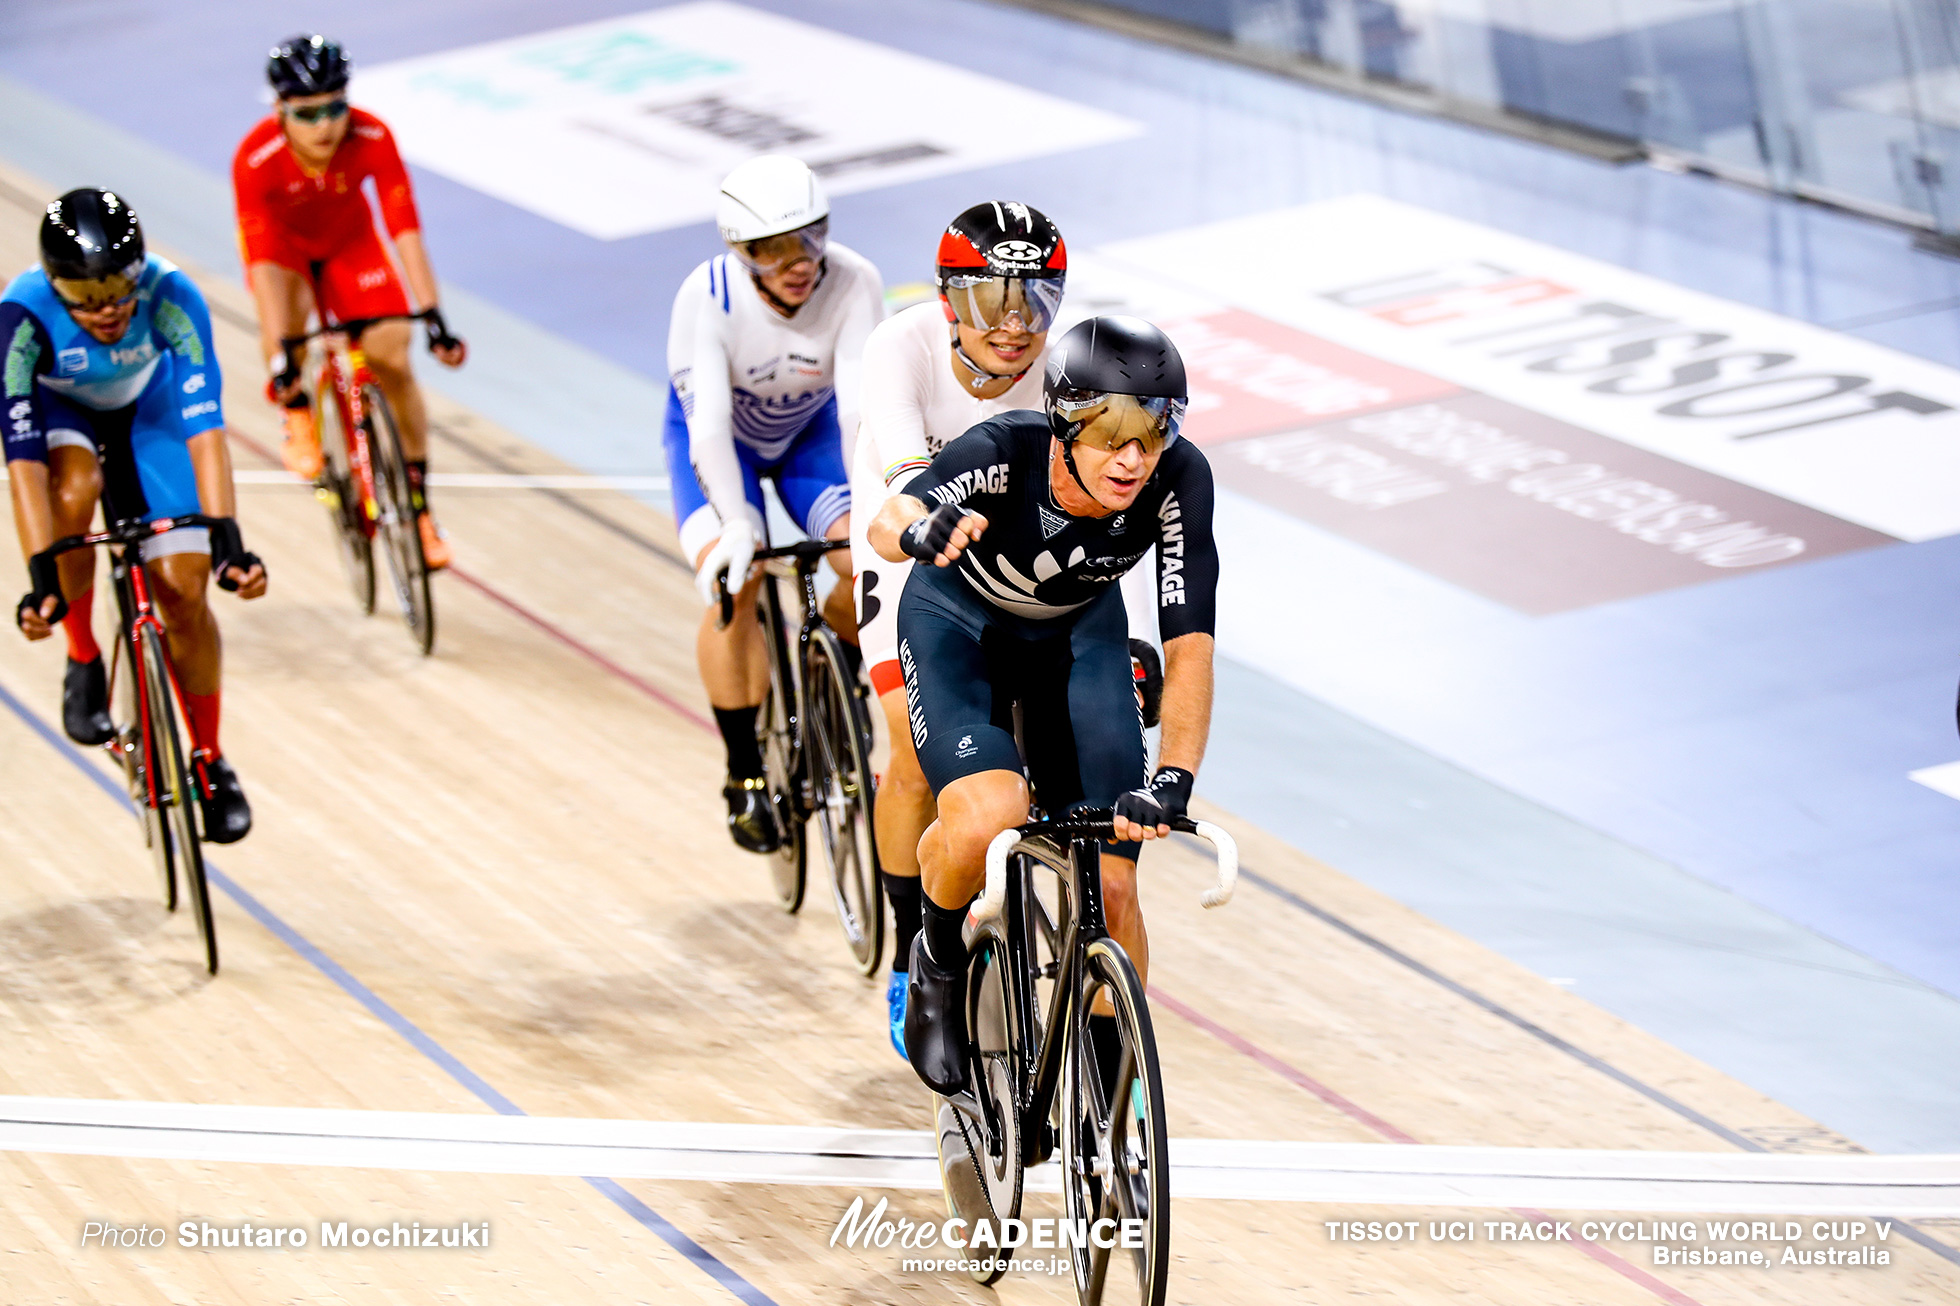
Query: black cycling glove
(926, 538)
(1162, 801)
(228, 551)
(45, 577)
(439, 337)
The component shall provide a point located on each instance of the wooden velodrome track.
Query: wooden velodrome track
(517, 846)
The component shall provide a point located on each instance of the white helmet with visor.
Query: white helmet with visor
(773, 213)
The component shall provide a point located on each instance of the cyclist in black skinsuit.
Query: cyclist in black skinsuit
(1030, 520)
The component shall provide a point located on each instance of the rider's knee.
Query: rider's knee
(972, 818)
(75, 492)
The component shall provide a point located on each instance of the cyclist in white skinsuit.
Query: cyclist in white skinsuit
(931, 373)
(763, 354)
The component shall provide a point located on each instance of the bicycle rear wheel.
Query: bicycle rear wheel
(341, 493)
(133, 751)
(776, 731)
(400, 533)
(1114, 1151)
(840, 775)
(176, 787)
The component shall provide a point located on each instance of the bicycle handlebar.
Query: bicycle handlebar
(122, 532)
(1099, 824)
(353, 327)
(804, 551)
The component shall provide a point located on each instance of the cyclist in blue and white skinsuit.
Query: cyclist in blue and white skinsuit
(764, 355)
(112, 391)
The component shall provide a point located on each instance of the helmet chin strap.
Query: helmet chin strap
(1068, 460)
(789, 310)
(982, 378)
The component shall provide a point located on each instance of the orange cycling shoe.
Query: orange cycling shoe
(301, 452)
(435, 549)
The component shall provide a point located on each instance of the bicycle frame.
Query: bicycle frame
(346, 371)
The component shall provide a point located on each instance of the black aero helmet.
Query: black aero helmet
(91, 247)
(1112, 380)
(997, 258)
(306, 65)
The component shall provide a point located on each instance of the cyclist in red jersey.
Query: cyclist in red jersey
(308, 237)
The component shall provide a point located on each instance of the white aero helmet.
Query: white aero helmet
(773, 195)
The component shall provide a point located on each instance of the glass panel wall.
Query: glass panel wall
(1856, 102)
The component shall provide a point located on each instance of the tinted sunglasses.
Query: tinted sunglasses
(327, 112)
(1110, 421)
(92, 296)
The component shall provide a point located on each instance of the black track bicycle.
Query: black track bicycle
(814, 730)
(364, 483)
(146, 704)
(1039, 959)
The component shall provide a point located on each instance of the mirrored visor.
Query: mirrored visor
(1110, 421)
(99, 292)
(773, 254)
(986, 303)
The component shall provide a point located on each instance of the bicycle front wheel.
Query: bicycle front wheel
(776, 734)
(175, 787)
(840, 778)
(338, 489)
(400, 533)
(1115, 1154)
(126, 709)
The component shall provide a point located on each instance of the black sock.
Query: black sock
(1107, 1042)
(418, 482)
(944, 928)
(738, 735)
(907, 915)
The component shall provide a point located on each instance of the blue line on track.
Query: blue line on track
(692, 1251)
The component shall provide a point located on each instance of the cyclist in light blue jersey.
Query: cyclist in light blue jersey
(112, 392)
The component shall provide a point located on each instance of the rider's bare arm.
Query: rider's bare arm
(216, 497)
(900, 512)
(27, 478)
(1187, 701)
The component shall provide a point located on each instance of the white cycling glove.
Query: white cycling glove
(732, 553)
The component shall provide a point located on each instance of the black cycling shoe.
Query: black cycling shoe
(935, 1022)
(227, 816)
(751, 820)
(85, 703)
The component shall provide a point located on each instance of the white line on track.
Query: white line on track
(1373, 1173)
(482, 481)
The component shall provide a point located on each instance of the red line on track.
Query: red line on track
(1291, 1074)
(523, 613)
(1294, 1075)
(581, 648)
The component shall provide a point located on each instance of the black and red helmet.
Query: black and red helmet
(998, 258)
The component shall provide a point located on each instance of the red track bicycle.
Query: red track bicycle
(365, 480)
(146, 704)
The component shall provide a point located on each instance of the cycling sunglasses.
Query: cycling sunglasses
(987, 303)
(1109, 421)
(96, 294)
(773, 254)
(326, 112)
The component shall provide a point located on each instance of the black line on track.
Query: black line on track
(1543, 1035)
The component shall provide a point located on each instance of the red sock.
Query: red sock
(80, 630)
(203, 712)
